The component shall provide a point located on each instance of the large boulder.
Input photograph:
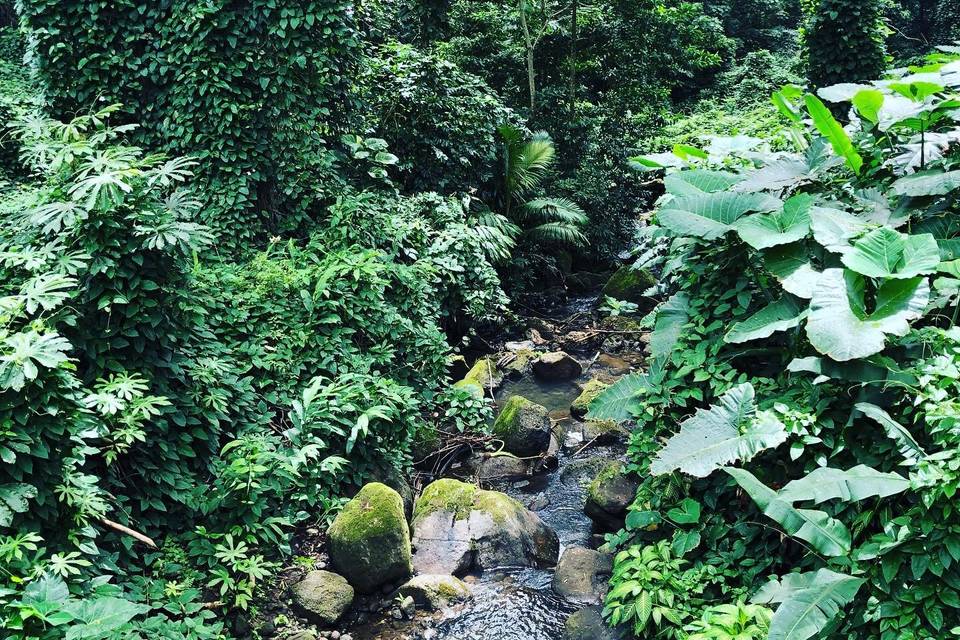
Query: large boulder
(629, 284)
(609, 495)
(457, 526)
(523, 426)
(588, 394)
(604, 432)
(484, 377)
(582, 575)
(556, 366)
(322, 597)
(433, 592)
(369, 541)
(588, 624)
(502, 467)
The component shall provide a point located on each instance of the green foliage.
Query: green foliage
(843, 41)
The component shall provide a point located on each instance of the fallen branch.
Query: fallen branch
(116, 526)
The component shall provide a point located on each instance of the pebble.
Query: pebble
(334, 635)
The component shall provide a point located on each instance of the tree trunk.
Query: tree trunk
(529, 45)
(574, 5)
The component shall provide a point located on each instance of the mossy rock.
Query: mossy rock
(556, 366)
(629, 284)
(609, 495)
(523, 426)
(322, 597)
(590, 392)
(483, 377)
(433, 592)
(520, 364)
(369, 541)
(458, 527)
(457, 367)
(604, 432)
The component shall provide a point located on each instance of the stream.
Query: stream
(519, 603)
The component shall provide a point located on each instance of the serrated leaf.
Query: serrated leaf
(728, 431)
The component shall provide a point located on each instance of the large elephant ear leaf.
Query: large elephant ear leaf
(858, 483)
(790, 264)
(789, 224)
(885, 253)
(908, 446)
(671, 316)
(839, 325)
(830, 129)
(711, 215)
(833, 228)
(927, 183)
(827, 535)
(808, 602)
(776, 176)
(728, 431)
(694, 182)
(786, 313)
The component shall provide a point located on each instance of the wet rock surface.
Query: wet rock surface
(322, 597)
(557, 365)
(582, 575)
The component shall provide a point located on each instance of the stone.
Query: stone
(612, 364)
(609, 495)
(588, 624)
(629, 284)
(517, 364)
(585, 281)
(322, 597)
(556, 366)
(434, 592)
(302, 635)
(582, 575)
(581, 468)
(392, 477)
(458, 527)
(369, 541)
(523, 426)
(502, 466)
(408, 607)
(522, 345)
(457, 367)
(604, 432)
(482, 378)
(588, 394)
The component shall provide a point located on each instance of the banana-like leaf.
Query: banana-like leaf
(808, 602)
(858, 483)
(786, 313)
(789, 224)
(908, 446)
(827, 535)
(843, 92)
(826, 369)
(710, 215)
(696, 182)
(928, 183)
(619, 400)
(671, 316)
(833, 228)
(828, 126)
(885, 253)
(840, 327)
(868, 103)
(728, 431)
(790, 264)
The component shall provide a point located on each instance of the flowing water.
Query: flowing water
(519, 603)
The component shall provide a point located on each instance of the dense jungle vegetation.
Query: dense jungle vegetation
(244, 247)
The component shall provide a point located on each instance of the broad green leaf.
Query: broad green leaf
(833, 228)
(908, 446)
(694, 182)
(839, 325)
(776, 176)
(671, 316)
(826, 369)
(790, 264)
(102, 616)
(789, 224)
(927, 183)
(728, 431)
(808, 602)
(868, 103)
(843, 92)
(617, 401)
(827, 535)
(14, 498)
(885, 253)
(858, 483)
(786, 313)
(711, 215)
(783, 101)
(828, 126)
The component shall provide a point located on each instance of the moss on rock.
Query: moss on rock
(590, 392)
(460, 498)
(629, 284)
(523, 426)
(369, 541)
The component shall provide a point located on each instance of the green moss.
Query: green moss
(461, 498)
(629, 284)
(610, 471)
(522, 361)
(590, 391)
(483, 373)
(376, 510)
(508, 422)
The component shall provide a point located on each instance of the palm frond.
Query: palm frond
(558, 233)
(527, 161)
(496, 233)
(555, 210)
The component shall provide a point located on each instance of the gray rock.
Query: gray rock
(322, 597)
(609, 495)
(556, 366)
(523, 426)
(434, 592)
(502, 466)
(408, 607)
(582, 575)
(604, 432)
(588, 624)
(369, 541)
(457, 526)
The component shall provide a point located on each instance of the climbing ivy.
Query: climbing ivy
(844, 40)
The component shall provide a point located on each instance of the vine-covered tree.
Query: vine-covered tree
(844, 41)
